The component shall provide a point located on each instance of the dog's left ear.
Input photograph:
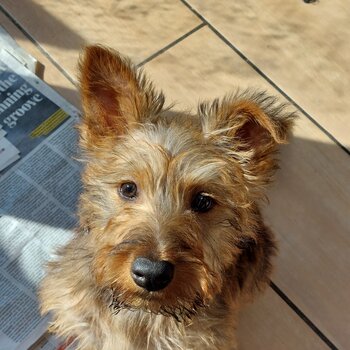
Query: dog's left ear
(115, 95)
(250, 126)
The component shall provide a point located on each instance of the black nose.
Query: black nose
(152, 275)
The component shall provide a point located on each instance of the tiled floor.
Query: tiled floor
(200, 49)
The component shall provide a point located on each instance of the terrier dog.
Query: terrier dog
(171, 241)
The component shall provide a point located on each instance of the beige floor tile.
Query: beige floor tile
(303, 48)
(136, 28)
(310, 202)
(52, 75)
(269, 324)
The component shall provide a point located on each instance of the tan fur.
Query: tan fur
(221, 257)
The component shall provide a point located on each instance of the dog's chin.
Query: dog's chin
(181, 311)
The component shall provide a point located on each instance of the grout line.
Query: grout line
(167, 47)
(36, 43)
(295, 308)
(263, 75)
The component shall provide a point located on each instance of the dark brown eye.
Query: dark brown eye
(128, 190)
(202, 203)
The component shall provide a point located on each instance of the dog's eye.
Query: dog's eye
(128, 190)
(202, 203)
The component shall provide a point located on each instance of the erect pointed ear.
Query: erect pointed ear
(251, 125)
(115, 96)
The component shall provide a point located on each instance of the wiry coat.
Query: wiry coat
(221, 256)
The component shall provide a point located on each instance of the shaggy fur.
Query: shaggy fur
(221, 256)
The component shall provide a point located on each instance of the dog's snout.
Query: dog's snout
(152, 275)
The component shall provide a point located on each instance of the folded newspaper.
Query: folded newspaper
(39, 187)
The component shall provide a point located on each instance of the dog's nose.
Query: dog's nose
(152, 275)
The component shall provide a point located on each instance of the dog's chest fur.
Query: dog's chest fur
(98, 328)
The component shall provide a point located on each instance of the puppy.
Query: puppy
(170, 241)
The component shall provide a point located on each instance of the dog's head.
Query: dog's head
(169, 197)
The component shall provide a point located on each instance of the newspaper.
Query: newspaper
(39, 187)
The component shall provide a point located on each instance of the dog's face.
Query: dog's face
(169, 197)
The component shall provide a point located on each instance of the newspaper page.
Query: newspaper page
(39, 187)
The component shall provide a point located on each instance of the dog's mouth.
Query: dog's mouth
(183, 311)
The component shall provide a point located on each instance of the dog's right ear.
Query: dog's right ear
(115, 96)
